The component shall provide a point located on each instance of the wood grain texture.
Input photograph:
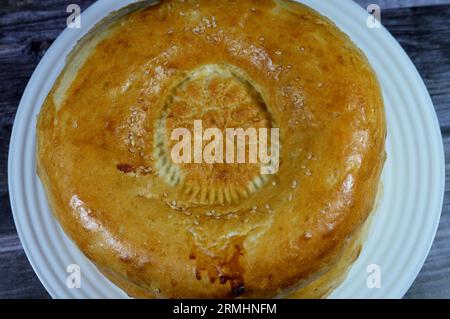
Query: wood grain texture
(27, 28)
(394, 4)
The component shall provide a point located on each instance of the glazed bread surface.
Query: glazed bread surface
(195, 230)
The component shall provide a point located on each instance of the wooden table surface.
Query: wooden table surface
(28, 27)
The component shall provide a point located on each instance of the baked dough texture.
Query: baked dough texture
(163, 230)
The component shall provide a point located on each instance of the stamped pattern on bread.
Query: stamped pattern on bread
(220, 97)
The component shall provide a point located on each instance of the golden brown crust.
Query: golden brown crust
(211, 233)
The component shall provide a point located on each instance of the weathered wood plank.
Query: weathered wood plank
(395, 4)
(424, 33)
(17, 278)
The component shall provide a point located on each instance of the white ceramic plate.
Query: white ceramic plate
(407, 216)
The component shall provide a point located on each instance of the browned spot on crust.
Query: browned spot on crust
(358, 252)
(125, 168)
(237, 289)
(234, 272)
(225, 268)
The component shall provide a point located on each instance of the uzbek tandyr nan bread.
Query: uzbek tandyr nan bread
(160, 229)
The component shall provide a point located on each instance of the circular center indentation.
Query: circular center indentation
(219, 97)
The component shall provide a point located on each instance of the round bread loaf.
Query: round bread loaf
(163, 229)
